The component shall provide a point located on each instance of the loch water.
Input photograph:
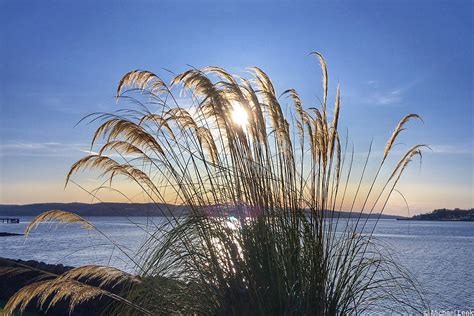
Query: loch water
(439, 254)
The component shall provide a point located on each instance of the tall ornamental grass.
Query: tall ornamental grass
(263, 187)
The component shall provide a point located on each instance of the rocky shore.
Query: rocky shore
(11, 283)
(3, 234)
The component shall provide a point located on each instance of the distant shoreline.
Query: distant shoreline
(445, 215)
(136, 210)
(434, 220)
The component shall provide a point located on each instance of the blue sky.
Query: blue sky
(61, 60)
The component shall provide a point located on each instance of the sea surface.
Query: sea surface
(439, 254)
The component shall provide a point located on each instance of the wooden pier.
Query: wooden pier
(9, 220)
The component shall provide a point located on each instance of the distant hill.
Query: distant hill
(344, 214)
(122, 209)
(446, 215)
(96, 209)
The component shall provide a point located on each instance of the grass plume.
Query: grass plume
(57, 216)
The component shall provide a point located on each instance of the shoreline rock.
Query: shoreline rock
(11, 283)
(4, 234)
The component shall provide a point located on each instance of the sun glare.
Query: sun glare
(239, 115)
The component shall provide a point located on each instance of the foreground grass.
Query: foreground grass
(263, 185)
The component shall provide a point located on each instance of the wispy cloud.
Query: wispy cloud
(89, 152)
(52, 149)
(386, 96)
(458, 149)
(45, 149)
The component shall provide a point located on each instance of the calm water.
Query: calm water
(439, 254)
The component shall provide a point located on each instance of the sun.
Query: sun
(239, 115)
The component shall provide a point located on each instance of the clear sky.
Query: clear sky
(61, 60)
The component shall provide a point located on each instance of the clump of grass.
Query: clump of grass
(263, 234)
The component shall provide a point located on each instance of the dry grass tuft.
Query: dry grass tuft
(105, 275)
(72, 287)
(59, 216)
(52, 291)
